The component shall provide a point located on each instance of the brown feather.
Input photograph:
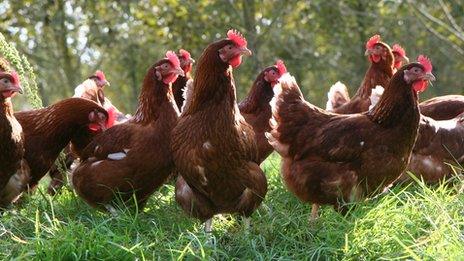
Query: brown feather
(47, 131)
(146, 139)
(378, 74)
(11, 144)
(256, 110)
(443, 107)
(328, 158)
(214, 148)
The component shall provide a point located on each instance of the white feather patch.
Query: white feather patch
(81, 88)
(117, 156)
(376, 93)
(188, 92)
(337, 87)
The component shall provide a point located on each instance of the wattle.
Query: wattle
(235, 61)
(94, 127)
(170, 78)
(419, 86)
(8, 94)
(375, 58)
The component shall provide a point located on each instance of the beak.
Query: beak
(107, 83)
(191, 60)
(367, 52)
(429, 77)
(14, 88)
(245, 51)
(405, 59)
(178, 71)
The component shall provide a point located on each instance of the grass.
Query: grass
(410, 222)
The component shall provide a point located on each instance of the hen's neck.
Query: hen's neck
(258, 98)
(398, 103)
(6, 107)
(156, 97)
(214, 85)
(377, 74)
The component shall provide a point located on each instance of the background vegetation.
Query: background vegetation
(320, 41)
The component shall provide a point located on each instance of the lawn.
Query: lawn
(410, 222)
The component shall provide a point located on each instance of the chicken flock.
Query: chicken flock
(191, 128)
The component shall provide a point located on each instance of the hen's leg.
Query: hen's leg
(247, 223)
(314, 212)
(208, 225)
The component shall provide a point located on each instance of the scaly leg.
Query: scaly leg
(112, 210)
(247, 223)
(314, 212)
(208, 225)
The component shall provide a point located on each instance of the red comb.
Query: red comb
(281, 67)
(397, 48)
(185, 54)
(172, 57)
(236, 37)
(100, 75)
(372, 41)
(425, 62)
(111, 117)
(15, 77)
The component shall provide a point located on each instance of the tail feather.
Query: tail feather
(375, 95)
(290, 112)
(337, 96)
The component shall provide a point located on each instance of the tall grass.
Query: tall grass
(410, 222)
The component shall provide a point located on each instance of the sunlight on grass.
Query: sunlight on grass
(412, 222)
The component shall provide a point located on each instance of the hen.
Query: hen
(439, 108)
(255, 107)
(133, 158)
(443, 107)
(379, 73)
(186, 63)
(439, 143)
(330, 158)
(11, 136)
(47, 131)
(213, 147)
(92, 89)
(400, 57)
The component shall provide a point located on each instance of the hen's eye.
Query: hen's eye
(165, 66)
(229, 47)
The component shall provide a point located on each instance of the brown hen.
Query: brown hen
(11, 136)
(330, 158)
(214, 148)
(255, 107)
(133, 158)
(379, 73)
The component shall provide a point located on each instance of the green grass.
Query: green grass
(410, 222)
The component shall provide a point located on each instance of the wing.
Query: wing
(341, 139)
(114, 142)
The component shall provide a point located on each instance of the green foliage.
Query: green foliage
(24, 69)
(409, 222)
(320, 41)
